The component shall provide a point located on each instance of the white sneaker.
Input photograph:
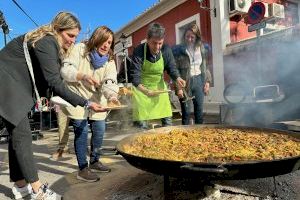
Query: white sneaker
(19, 193)
(45, 193)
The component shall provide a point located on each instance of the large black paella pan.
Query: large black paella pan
(234, 169)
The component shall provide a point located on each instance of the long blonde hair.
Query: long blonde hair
(62, 21)
(99, 36)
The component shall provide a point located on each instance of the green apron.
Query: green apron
(157, 107)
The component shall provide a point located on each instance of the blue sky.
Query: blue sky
(92, 13)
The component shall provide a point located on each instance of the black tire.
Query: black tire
(235, 92)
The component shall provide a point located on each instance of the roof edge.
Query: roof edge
(147, 16)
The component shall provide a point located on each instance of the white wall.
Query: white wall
(220, 37)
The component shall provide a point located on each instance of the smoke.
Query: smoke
(122, 116)
(273, 60)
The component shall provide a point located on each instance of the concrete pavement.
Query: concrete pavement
(59, 174)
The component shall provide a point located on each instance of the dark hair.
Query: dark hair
(156, 30)
(99, 36)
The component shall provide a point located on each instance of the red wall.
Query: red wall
(169, 19)
(179, 13)
(239, 26)
(243, 65)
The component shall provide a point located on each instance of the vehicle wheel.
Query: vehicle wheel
(235, 93)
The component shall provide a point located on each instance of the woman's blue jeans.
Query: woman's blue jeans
(195, 89)
(81, 130)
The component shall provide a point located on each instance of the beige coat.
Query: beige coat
(76, 62)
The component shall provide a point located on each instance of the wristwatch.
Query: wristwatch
(87, 104)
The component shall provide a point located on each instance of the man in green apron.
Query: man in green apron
(150, 60)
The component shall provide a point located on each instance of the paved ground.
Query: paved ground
(128, 183)
(55, 173)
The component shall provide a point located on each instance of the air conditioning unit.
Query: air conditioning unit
(274, 27)
(276, 10)
(239, 6)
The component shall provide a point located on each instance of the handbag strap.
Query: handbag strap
(30, 68)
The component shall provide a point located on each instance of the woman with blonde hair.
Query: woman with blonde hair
(29, 65)
(91, 61)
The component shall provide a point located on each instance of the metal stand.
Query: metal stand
(41, 120)
(275, 194)
(125, 58)
(258, 53)
(123, 40)
(166, 183)
(167, 188)
(4, 27)
(125, 67)
(5, 40)
(3, 135)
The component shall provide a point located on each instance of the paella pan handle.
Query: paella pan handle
(191, 167)
(107, 151)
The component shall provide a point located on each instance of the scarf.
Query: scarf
(97, 60)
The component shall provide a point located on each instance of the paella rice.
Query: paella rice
(214, 145)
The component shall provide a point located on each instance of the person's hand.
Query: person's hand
(151, 93)
(114, 101)
(180, 94)
(96, 107)
(206, 88)
(90, 80)
(180, 82)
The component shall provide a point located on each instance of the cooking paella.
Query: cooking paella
(214, 145)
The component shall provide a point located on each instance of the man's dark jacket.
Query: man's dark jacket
(138, 59)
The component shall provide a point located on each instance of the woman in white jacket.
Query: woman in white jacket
(90, 71)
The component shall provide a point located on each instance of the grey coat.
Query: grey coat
(183, 63)
(16, 89)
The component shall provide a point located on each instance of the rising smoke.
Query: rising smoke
(274, 60)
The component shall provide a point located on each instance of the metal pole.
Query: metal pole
(125, 66)
(125, 69)
(50, 118)
(4, 26)
(5, 41)
(41, 120)
(258, 56)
